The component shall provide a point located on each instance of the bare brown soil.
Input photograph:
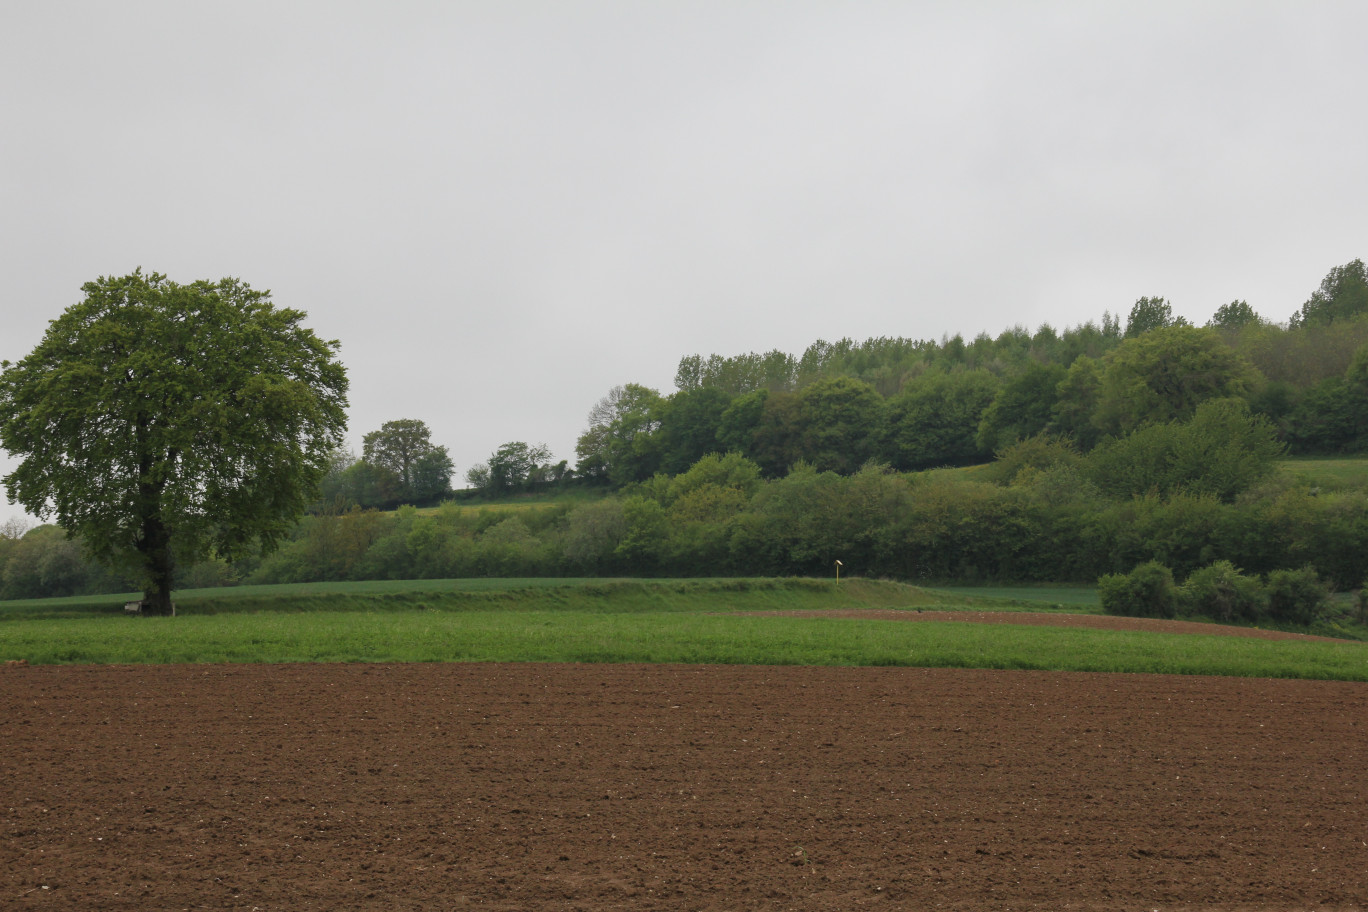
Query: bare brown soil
(1091, 621)
(555, 787)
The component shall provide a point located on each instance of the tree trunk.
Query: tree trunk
(157, 601)
(155, 546)
(154, 539)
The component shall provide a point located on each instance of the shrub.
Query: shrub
(1222, 592)
(1041, 452)
(593, 532)
(1147, 591)
(1297, 596)
(1221, 451)
(210, 574)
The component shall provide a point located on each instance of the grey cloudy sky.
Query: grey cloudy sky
(503, 209)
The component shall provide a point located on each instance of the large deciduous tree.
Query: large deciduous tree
(1342, 295)
(1235, 315)
(688, 426)
(934, 421)
(161, 422)
(620, 444)
(1150, 314)
(1333, 415)
(404, 449)
(1075, 401)
(515, 466)
(1022, 407)
(1165, 374)
(397, 446)
(840, 419)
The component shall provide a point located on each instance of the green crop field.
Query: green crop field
(685, 621)
(1075, 599)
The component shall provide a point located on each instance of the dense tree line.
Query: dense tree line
(1098, 449)
(1043, 512)
(914, 405)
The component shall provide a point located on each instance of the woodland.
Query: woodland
(1047, 455)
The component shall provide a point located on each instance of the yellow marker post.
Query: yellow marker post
(839, 565)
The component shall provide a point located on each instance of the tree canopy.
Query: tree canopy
(1165, 374)
(619, 443)
(1234, 315)
(917, 403)
(420, 470)
(159, 422)
(1342, 295)
(515, 466)
(1150, 314)
(1112, 449)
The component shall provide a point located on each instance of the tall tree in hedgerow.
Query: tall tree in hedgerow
(1343, 295)
(1165, 374)
(161, 422)
(405, 450)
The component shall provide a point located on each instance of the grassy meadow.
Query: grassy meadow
(1070, 599)
(521, 503)
(1345, 474)
(677, 621)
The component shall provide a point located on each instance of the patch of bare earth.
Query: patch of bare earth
(1092, 621)
(561, 787)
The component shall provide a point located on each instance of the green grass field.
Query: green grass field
(1074, 599)
(587, 595)
(684, 621)
(524, 502)
(1331, 474)
(510, 507)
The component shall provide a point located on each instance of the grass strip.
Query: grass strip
(597, 595)
(653, 636)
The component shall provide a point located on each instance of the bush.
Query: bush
(1297, 596)
(1147, 591)
(1039, 453)
(1221, 451)
(212, 573)
(1223, 593)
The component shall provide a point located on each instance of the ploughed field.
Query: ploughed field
(616, 787)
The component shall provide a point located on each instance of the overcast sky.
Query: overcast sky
(504, 209)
